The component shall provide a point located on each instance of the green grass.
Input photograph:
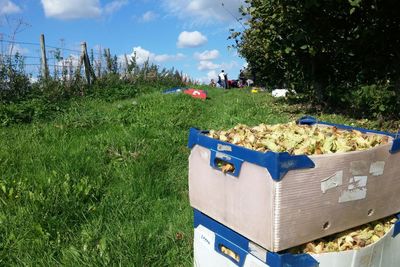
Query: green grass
(105, 183)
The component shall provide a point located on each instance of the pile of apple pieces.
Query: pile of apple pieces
(298, 139)
(354, 238)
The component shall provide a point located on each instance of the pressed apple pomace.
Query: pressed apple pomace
(298, 139)
(354, 238)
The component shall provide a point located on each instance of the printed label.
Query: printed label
(204, 238)
(221, 147)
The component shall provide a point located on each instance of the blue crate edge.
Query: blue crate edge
(273, 259)
(396, 229)
(277, 164)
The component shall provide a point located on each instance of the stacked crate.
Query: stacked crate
(215, 245)
(277, 201)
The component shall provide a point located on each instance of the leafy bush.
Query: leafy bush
(47, 97)
(29, 110)
(22, 101)
(376, 100)
(14, 83)
(111, 87)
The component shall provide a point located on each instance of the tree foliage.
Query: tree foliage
(322, 47)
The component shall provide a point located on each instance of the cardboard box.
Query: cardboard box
(280, 201)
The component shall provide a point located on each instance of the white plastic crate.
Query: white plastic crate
(280, 201)
(218, 246)
(207, 255)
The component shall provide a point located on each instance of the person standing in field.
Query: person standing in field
(212, 83)
(242, 79)
(222, 79)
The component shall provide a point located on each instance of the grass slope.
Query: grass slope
(106, 183)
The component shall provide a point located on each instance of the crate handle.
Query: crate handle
(218, 158)
(307, 120)
(227, 252)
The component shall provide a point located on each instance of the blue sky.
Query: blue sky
(190, 35)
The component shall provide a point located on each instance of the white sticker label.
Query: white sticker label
(377, 168)
(258, 251)
(224, 147)
(359, 167)
(332, 181)
(356, 190)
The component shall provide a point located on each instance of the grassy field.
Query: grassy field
(105, 183)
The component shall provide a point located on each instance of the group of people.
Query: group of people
(223, 81)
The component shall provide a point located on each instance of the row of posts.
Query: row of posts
(83, 60)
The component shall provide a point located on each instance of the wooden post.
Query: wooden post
(91, 57)
(99, 62)
(85, 61)
(88, 68)
(91, 70)
(108, 60)
(45, 68)
(126, 64)
(80, 63)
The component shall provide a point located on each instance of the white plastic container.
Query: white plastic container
(280, 201)
(205, 254)
(210, 237)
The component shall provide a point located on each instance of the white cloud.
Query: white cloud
(71, 9)
(114, 6)
(16, 48)
(207, 55)
(8, 7)
(33, 79)
(207, 65)
(230, 65)
(72, 60)
(142, 55)
(191, 39)
(148, 16)
(204, 11)
(69, 63)
(165, 57)
(210, 75)
(75, 9)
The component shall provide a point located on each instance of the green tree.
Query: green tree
(323, 47)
